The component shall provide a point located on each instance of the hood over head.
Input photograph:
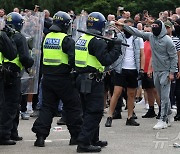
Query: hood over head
(159, 31)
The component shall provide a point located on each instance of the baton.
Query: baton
(99, 36)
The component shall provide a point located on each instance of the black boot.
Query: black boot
(16, 138)
(100, 143)
(81, 148)
(73, 141)
(7, 142)
(39, 142)
(150, 114)
(108, 122)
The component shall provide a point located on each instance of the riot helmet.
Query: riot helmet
(62, 22)
(96, 22)
(15, 20)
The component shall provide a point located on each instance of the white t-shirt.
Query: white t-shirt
(129, 58)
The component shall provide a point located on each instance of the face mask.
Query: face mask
(157, 30)
(127, 34)
(177, 30)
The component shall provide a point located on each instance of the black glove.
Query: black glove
(9, 31)
(117, 41)
(141, 74)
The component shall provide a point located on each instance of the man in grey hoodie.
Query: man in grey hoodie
(164, 62)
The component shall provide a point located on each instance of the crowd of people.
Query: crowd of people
(144, 53)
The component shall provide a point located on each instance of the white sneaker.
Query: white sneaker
(168, 124)
(141, 102)
(174, 107)
(172, 115)
(160, 125)
(147, 106)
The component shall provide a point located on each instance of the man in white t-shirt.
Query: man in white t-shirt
(126, 73)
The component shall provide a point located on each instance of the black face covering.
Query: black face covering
(157, 30)
(127, 34)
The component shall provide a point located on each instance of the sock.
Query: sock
(29, 106)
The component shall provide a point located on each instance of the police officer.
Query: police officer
(7, 50)
(58, 60)
(92, 54)
(12, 85)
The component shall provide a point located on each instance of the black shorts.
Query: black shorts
(147, 82)
(127, 78)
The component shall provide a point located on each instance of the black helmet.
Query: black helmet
(61, 22)
(96, 21)
(15, 20)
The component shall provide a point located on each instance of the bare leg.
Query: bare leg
(116, 94)
(131, 93)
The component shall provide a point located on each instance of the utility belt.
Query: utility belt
(94, 76)
(86, 81)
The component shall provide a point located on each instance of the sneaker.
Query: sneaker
(172, 115)
(174, 107)
(35, 113)
(149, 114)
(108, 122)
(117, 115)
(168, 124)
(160, 125)
(134, 116)
(30, 112)
(25, 116)
(131, 122)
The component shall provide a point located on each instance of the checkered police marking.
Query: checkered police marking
(52, 43)
(80, 45)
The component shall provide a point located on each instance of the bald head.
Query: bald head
(111, 17)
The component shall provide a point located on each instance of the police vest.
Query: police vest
(82, 56)
(15, 61)
(52, 49)
(1, 58)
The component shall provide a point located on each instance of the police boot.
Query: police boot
(16, 138)
(100, 143)
(73, 141)
(7, 142)
(81, 148)
(39, 142)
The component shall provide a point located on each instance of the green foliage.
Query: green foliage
(103, 6)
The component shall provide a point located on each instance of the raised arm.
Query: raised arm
(136, 32)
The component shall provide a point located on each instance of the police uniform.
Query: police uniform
(12, 85)
(7, 50)
(58, 60)
(91, 56)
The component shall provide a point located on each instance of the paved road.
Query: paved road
(122, 139)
